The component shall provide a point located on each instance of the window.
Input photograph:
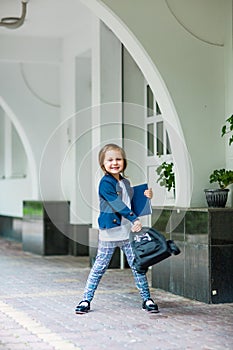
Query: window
(19, 159)
(150, 102)
(158, 148)
(150, 139)
(159, 138)
(158, 142)
(13, 159)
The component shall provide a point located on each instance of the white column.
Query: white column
(96, 138)
(106, 99)
(8, 147)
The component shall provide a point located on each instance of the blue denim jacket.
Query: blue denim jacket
(111, 206)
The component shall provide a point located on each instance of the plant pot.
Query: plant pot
(216, 198)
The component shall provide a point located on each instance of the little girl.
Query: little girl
(116, 220)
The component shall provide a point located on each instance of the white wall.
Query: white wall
(90, 113)
(192, 71)
(192, 68)
(37, 118)
(38, 82)
(229, 82)
(29, 88)
(134, 119)
(76, 124)
(106, 97)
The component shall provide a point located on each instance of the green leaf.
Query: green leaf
(224, 130)
(228, 128)
(166, 175)
(223, 177)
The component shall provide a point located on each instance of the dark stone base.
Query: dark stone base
(79, 240)
(44, 227)
(47, 231)
(11, 227)
(204, 269)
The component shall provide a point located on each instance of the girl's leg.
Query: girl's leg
(140, 278)
(103, 258)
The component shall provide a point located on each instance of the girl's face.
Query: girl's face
(114, 163)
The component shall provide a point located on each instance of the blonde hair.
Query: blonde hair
(108, 147)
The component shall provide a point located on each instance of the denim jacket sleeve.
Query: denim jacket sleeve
(112, 208)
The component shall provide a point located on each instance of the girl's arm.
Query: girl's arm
(107, 192)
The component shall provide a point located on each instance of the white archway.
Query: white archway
(153, 77)
(27, 147)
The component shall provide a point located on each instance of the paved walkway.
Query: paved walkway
(38, 296)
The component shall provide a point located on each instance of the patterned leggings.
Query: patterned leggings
(104, 254)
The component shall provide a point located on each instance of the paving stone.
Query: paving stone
(38, 296)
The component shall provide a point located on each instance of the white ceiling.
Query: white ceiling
(59, 18)
(46, 18)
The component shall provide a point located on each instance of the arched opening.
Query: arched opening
(181, 158)
(17, 161)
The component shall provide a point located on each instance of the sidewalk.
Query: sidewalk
(38, 296)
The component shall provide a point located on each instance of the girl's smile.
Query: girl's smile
(114, 163)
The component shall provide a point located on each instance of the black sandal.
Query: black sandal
(83, 307)
(150, 306)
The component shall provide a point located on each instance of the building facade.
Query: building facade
(153, 76)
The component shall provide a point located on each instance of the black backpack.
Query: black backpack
(150, 247)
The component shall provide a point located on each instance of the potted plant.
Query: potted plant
(166, 176)
(218, 197)
(224, 178)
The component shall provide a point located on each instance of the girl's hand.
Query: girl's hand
(148, 193)
(137, 226)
